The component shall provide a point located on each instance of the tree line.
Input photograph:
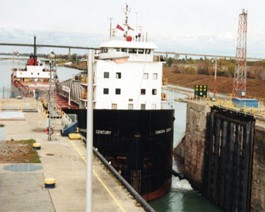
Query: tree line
(225, 67)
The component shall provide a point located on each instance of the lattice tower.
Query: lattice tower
(239, 83)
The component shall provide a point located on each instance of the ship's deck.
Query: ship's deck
(62, 102)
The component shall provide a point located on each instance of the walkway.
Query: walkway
(63, 160)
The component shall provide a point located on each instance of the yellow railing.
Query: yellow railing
(84, 79)
(227, 103)
(83, 94)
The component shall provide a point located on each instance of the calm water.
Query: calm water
(181, 198)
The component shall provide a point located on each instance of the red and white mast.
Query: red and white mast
(240, 74)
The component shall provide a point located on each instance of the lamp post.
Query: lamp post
(52, 57)
(89, 148)
(214, 82)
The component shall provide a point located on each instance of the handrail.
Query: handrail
(129, 188)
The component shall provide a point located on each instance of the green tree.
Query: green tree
(74, 57)
(169, 61)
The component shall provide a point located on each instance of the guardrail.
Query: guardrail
(129, 188)
(25, 104)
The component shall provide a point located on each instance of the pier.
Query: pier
(62, 159)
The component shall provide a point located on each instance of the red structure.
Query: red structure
(239, 84)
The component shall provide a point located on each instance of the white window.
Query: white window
(147, 51)
(104, 50)
(145, 76)
(118, 75)
(114, 106)
(105, 91)
(118, 91)
(106, 75)
(154, 76)
(142, 106)
(130, 106)
(132, 51)
(140, 51)
(124, 50)
(153, 106)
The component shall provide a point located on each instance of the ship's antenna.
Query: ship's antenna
(110, 28)
(126, 11)
(136, 24)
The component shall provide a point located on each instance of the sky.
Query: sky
(190, 26)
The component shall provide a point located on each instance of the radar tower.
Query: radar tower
(239, 83)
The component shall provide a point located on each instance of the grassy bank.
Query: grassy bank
(20, 151)
(255, 87)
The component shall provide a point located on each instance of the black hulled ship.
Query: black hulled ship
(131, 128)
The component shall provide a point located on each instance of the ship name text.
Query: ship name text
(103, 132)
(163, 131)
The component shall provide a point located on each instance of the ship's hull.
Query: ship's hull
(33, 90)
(137, 143)
(28, 87)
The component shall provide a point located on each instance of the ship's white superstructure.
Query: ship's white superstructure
(33, 79)
(126, 77)
(33, 72)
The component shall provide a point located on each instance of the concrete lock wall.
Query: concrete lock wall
(258, 172)
(195, 142)
(194, 146)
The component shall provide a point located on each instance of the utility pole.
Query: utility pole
(110, 28)
(52, 61)
(214, 82)
(240, 74)
(89, 134)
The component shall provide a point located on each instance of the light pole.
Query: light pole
(89, 141)
(214, 82)
(52, 57)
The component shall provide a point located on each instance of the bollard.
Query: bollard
(36, 146)
(49, 183)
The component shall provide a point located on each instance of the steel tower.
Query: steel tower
(240, 74)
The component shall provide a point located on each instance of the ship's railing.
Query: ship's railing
(83, 95)
(66, 120)
(83, 79)
(129, 188)
(75, 90)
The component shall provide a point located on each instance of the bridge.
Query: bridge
(176, 54)
(48, 46)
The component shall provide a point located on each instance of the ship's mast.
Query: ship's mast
(35, 48)
(126, 11)
(110, 28)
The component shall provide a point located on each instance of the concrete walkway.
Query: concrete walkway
(65, 161)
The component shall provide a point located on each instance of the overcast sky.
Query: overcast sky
(192, 26)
